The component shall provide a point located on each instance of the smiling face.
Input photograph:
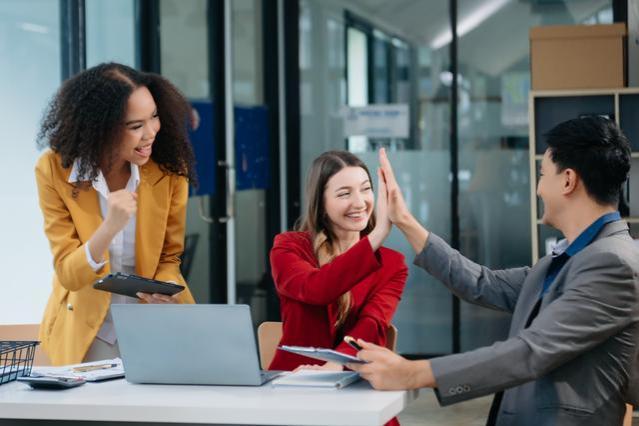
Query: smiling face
(141, 124)
(348, 200)
(550, 189)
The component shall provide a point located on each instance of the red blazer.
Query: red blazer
(309, 293)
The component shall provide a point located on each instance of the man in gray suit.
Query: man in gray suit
(571, 354)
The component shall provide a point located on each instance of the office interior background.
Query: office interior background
(269, 80)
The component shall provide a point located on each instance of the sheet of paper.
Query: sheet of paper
(90, 371)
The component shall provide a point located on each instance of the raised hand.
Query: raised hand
(397, 209)
(382, 221)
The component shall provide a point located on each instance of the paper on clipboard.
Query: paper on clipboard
(323, 354)
(95, 371)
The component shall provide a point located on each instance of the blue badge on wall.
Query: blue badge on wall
(203, 146)
(252, 169)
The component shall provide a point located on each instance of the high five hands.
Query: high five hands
(395, 206)
(391, 207)
(386, 370)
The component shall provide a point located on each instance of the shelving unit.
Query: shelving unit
(549, 108)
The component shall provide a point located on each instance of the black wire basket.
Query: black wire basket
(16, 359)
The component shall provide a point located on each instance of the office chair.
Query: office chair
(25, 332)
(269, 334)
(188, 255)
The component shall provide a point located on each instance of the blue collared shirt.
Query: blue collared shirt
(562, 251)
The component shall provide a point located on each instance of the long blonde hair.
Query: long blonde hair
(314, 219)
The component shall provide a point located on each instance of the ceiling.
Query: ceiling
(493, 34)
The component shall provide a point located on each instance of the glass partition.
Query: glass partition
(110, 32)
(337, 57)
(494, 187)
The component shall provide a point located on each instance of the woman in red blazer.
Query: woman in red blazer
(332, 275)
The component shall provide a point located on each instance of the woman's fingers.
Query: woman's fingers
(381, 181)
(307, 367)
(382, 196)
(369, 346)
(389, 175)
(156, 298)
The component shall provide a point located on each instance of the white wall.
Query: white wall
(29, 75)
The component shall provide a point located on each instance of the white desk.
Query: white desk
(122, 401)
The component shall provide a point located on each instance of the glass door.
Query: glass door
(187, 58)
(213, 52)
(249, 283)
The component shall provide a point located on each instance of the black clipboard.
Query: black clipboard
(129, 285)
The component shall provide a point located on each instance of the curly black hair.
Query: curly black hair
(84, 120)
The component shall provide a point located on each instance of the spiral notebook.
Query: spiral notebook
(317, 378)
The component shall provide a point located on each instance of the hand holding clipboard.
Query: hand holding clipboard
(325, 354)
(131, 285)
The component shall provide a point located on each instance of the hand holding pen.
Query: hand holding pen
(350, 341)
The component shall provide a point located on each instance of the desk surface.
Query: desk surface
(119, 400)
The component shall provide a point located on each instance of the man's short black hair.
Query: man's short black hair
(597, 150)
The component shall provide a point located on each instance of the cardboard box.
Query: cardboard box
(578, 56)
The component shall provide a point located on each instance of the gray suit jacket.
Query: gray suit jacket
(575, 363)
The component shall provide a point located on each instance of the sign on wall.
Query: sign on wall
(376, 121)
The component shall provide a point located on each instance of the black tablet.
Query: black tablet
(129, 285)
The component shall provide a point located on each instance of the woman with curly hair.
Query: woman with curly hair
(113, 189)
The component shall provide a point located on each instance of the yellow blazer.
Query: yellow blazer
(75, 310)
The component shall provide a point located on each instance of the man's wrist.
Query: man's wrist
(405, 221)
(422, 375)
(414, 232)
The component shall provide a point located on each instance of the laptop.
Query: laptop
(188, 344)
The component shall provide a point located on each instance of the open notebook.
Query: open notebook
(317, 378)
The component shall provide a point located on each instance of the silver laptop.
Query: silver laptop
(188, 344)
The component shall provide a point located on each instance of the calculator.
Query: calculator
(50, 382)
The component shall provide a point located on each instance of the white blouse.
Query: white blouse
(122, 247)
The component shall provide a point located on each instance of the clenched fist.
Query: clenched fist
(121, 206)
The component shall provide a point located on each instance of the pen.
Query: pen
(352, 343)
(86, 368)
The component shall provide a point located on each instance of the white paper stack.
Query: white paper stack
(317, 378)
